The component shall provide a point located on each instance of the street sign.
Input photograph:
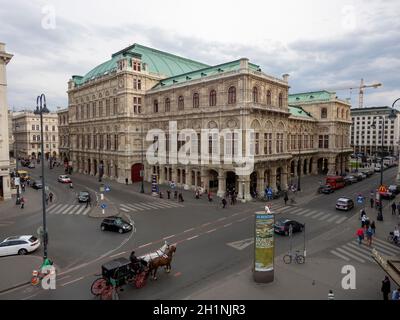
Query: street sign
(103, 206)
(107, 189)
(360, 199)
(102, 189)
(17, 181)
(269, 192)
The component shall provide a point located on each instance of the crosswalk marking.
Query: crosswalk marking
(384, 248)
(388, 245)
(310, 213)
(80, 210)
(324, 217)
(294, 211)
(339, 255)
(55, 208)
(125, 210)
(135, 207)
(69, 209)
(52, 206)
(351, 255)
(142, 206)
(86, 211)
(331, 219)
(341, 220)
(317, 215)
(303, 212)
(357, 252)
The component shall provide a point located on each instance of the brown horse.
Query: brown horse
(162, 261)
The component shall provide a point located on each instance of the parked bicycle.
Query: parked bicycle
(300, 259)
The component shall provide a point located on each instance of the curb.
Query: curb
(14, 287)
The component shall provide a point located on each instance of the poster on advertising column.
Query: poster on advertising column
(264, 248)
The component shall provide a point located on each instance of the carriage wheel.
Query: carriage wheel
(98, 286)
(107, 293)
(140, 280)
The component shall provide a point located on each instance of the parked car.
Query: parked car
(350, 179)
(336, 182)
(282, 226)
(19, 245)
(326, 189)
(83, 196)
(344, 203)
(64, 179)
(116, 224)
(37, 184)
(359, 176)
(395, 189)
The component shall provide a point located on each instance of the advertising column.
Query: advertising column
(264, 248)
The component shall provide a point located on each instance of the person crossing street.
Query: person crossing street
(394, 207)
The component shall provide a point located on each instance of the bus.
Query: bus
(336, 182)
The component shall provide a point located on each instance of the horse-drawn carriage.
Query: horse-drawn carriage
(135, 271)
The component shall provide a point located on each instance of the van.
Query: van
(336, 182)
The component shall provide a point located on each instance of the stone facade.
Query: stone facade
(63, 134)
(5, 185)
(26, 126)
(107, 128)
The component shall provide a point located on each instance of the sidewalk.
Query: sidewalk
(33, 203)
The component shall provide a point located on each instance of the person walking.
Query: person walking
(169, 194)
(286, 198)
(369, 236)
(360, 235)
(180, 197)
(126, 181)
(331, 295)
(385, 289)
(22, 202)
(371, 202)
(51, 197)
(175, 195)
(373, 227)
(363, 220)
(394, 207)
(223, 203)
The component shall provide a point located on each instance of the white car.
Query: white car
(18, 245)
(64, 179)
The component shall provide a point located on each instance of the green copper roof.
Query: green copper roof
(158, 62)
(310, 96)
(208, 71)
(299, 112)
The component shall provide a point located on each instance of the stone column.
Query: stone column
(260, 182)
(284, 178)
(273, 179)
(161, 178)
(244, 189)
(331, 166)
(205, 179)
(187, 177)
(314, 169)
(221, 183)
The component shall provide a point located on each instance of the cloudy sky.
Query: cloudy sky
(321, 44)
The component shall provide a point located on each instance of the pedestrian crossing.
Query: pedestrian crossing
(309, 213)
(144, 206)
(362, 253)
(69, 209)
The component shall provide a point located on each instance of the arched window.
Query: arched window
(213, 98)
(255, 95)
(231, 95)
(34, 138)
(280, 102)
(324, 113)
(181, 103)
(155, 106)
(167, 105)
(196, 100)
(269, 97)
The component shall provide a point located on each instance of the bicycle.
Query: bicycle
(300, 259)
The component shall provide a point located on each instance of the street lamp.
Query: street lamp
(40, 110)
(299, 165)
(142, 168)
(17, 201)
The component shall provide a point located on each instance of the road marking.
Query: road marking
(388, 245)
(224, 218)
(192, 238)
(241, 220)
(124, 209)
(352, 256)
(227, 225)
(310, 213)
(317, 215)
(188, 230)
(134, 207)
(72, 281)
(235, 214)
(363, 249)
(73, 209)
(86, 211)
(294, 211)
(80, 210)
(333, 218)
(54, 207)
(341, 220)
(302, 212)
(58, 207)
(241, 244)
(386, 248)
(206, 224)
(326, 216)
(51, 206)
(169, 237)
(117, 254)
(340, 255)
(146, 245)
(356, 252)
(209, 231)
(146, 205)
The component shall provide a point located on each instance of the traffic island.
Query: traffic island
(104, 210)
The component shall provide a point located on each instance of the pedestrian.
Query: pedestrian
(175, 194)
(362, 213)
(169, 194)
(126, 181)
(71, 186)
(373, 227)
(394, 207)
(367, 223)
(360, 235)
(161, 195)
(331, 295)
(47, 199)
(385, 288)
(369, 236)
(51, 197)
(223, 203)
(180, 197)
(22, 202)
(87, 202)
(23, 187)
(396, 295)
(209, 196)
(363, 219)
(286, 198)
(372, 202)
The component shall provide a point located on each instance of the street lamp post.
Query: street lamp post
(40, 110)
(299, 165)
(142, 168)
(17, 201)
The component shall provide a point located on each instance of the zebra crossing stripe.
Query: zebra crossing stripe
(59, 209)
(171, 204)
(72, 209)
(341, 220)
(310, 213)
(302, 212)
(317, 215)
(51, 207)
(333, 218)
(352, 256)
(125, 207)
(324, 217)
(340, 255)
(384, 248)
(294, 211)
(388, 245)
(157, 205)
(80, 210)
(86, 212)
(148, 205)
(356, 252)
(134, 207)
(52, 210)
(362, 249)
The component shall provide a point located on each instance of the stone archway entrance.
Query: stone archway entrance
(231, 181)
(292, 168)
(279, 178)
(310, 165)
(89, 167)
(213, 180)
(135, 172)
(305, 166)
(253, 183)
(322, 166)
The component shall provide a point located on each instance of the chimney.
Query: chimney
(285, 77)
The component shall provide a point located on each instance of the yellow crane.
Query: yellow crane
(361, 90)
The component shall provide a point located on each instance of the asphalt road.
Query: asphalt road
(201, 230)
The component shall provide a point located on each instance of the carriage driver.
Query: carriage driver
(138, 264)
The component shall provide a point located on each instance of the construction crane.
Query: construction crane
(361, 91)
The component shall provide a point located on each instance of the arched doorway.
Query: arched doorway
(179, 176)
(95, 167)
(213, 180)
(292, 168)
(253, 183)
(135, 172)
(231, 181)
(305, 166)
(310, 165)
(267, 178)
(89, 171)
(279, 178)
(322, 166)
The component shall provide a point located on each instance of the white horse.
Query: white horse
(157, 254)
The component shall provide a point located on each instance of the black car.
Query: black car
(116, 224)
(327, 189)
(37, 185)
(83, 196)
(282, 226)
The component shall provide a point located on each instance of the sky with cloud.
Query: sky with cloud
(321, 44)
